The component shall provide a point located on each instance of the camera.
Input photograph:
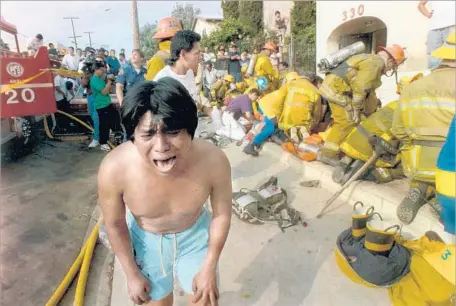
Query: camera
(89, 65)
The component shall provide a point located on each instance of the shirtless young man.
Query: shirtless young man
(162, 176)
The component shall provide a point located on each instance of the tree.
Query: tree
(303, 29)
(148, 44)
(3, 45)
(230, 9)
(251, 15)
(303, 19)
(187, 13)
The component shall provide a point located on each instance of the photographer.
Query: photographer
(107, 114)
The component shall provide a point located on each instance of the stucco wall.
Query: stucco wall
(405, 26)
(203, 25)
(270, 7)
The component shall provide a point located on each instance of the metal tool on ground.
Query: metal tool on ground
(381, 147)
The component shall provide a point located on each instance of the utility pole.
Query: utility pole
(134, 11)
(90, 38)
(74, 34)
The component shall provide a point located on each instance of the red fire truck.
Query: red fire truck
(27, 91)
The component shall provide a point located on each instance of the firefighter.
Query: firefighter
(220, 88)
(357, 149)
(263, 68)
(295, 104)
(350, 91)
(234, 92)
(302, 105)
(421, 121)
(167, 28)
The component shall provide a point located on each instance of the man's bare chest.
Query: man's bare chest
(155, 198)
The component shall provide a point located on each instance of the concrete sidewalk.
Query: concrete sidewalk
(262, 266)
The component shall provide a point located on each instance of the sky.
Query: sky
(110, 20)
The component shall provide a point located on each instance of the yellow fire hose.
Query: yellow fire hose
(49, 134)
(82, 262)
(84, 258)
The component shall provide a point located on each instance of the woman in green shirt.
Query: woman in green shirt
(107, 114)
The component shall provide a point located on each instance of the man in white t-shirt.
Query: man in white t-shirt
(184, 60)
(70, 60)
(442, 21)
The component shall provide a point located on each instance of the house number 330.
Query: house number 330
(353, 12)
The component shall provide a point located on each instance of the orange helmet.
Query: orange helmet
(168, 27)
(270, 46)
(395, 51)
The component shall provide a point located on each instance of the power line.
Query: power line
(90, 37)
(74, 34)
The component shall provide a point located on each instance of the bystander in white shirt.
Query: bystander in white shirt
(188, 80)
(71, 62)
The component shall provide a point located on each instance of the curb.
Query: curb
(384, 197)
(107, 273)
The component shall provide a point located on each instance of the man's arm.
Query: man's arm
(423, 9)
(57, 85)
(120, 81)
(113, 209)
(221, 208)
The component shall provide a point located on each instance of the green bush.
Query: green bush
(230, 9)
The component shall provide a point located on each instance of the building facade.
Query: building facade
(376, 23)
(205, 25)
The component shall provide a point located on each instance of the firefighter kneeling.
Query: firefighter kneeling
(220, 88)
(421, 121)
(357, 149)
(296, 104)
(350, 90)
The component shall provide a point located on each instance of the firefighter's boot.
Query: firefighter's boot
(250, 149)
(411, 204)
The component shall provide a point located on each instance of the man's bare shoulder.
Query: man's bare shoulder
(115, 162)
(213, 157)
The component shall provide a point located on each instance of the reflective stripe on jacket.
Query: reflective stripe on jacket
(424, 113)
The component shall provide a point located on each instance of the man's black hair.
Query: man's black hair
(169, 102)
(51, 44)
(254, 91)
(71, 48)
(39, 36)
(183, 40)
(277, 12)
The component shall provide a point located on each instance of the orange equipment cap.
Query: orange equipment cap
(395, 51)
(168, 27)
(270, 46)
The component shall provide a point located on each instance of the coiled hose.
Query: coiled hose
(49, 134)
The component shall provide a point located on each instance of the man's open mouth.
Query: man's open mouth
(165, 164)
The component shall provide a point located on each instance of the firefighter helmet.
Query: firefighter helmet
(448, 50)
(229, 78)
(291, 76)
(168, 27)
(262, 83)
(270, 46)
(396, 52)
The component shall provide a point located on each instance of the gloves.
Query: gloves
(356, 115)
